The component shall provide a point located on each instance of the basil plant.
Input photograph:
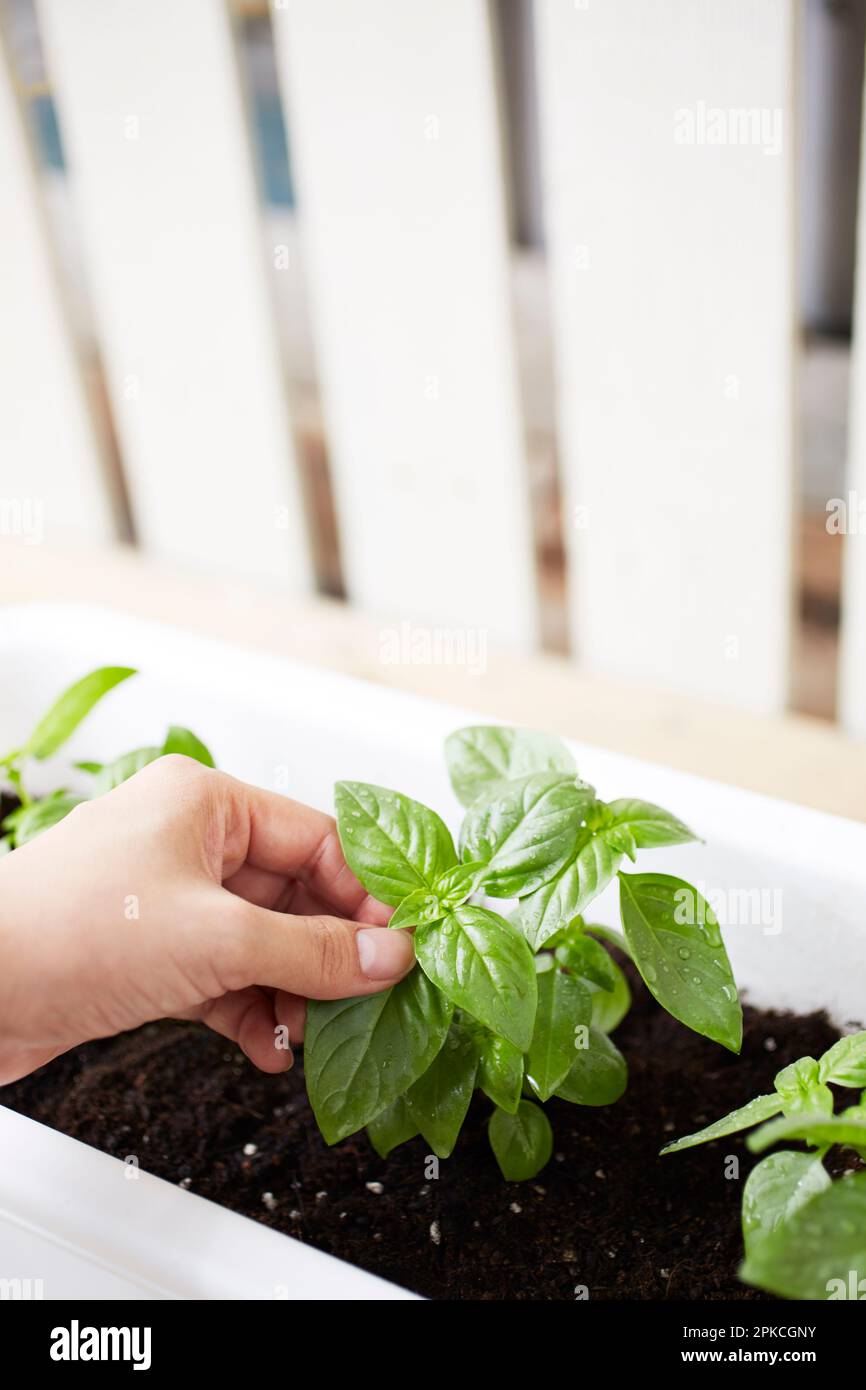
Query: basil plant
(520, 1004)
(33, 814)
(804, 1235)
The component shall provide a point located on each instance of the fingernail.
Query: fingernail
(384, 953)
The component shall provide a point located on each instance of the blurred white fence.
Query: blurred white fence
(667, 145)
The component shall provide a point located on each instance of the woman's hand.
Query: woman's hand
(183, 894)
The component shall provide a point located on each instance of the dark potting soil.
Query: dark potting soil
(606, 1213)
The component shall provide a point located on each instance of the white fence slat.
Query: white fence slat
(393, 125)
(154, 126)
(668, 163)
(850, 518)
(52, 483)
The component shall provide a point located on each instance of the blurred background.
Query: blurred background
(516, 327)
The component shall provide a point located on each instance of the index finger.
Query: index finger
(287, 837)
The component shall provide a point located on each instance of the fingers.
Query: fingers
(316, 955)
(262, 1024)
(272, 834)
(266, 889)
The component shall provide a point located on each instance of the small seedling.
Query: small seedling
(519, 1007)
(33, 815)
(804, 1235)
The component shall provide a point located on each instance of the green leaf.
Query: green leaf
(844, 1064)
(552, 906)
(420, 906)
(392, 844)
(361, 1054)
(459, 883)
(483, 965)
(453, 888)
(579, 952)
(124, 767)
(584, 956)
(596, 856)
(5, 845)
(526, 833)
(819, 1251)
(598, 1074)
(9, 822)
(439, 1100)
(522, 1143)
(480, 757)
(797, 1078)
(609, 1007)
(677, 947)
(564, 1009)
(107, 776)
(71, 708)
(777, 1187)
(611, 936)
(650, 826)
(757, 1110)
(392, 1127)
(801, 1090)
(820, 1130)
(500, 1071)
(90, 767)
(180, 740)
(42, 815)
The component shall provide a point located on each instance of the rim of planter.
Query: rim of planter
(76, 1218)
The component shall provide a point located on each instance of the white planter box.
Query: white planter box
(69, 1214)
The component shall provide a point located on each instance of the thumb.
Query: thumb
(317, 956)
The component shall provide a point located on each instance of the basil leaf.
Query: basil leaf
(801, 1091)
(776, 1188)
(584, 956)
(564, 1006)
(392, 1127)
(597, 854)
(815, 1253)
(459, 883)
(124, 767)
(439, 1100)
(480, 757)
(361, 1054)
(620, 839)
(797, 1078)
(526, 833)
(650, 826)
(42, 815)
(820, 1130)
(757, 1110)
(611, 936)
(420, 906)
(597, 1076)
(678, 949)
(500, 1071)
(609, 1007)
(844, 1064)
(553, 905)
(580, 953)
(392, 844)
(71, 708)
(452, 890)
(482, 964)
(9, 822)
(180, 740)
(522, 1143)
